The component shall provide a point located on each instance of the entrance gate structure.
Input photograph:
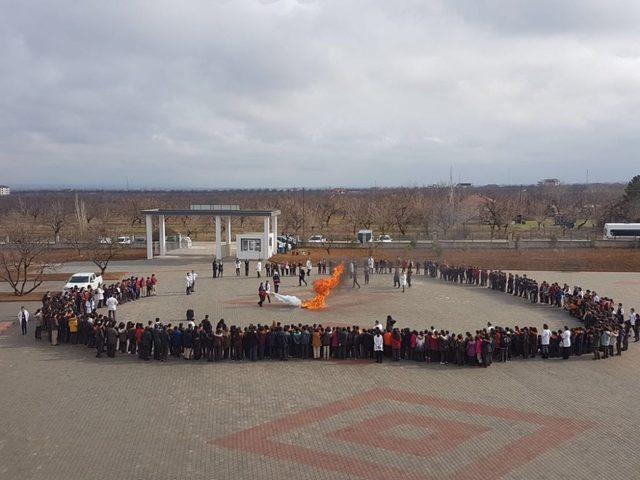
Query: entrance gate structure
(268, 238)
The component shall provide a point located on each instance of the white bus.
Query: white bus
(621, 230)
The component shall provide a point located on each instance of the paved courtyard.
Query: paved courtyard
(68, 415)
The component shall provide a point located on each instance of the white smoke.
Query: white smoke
(289, 299)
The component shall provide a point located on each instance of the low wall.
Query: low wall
(490, 244)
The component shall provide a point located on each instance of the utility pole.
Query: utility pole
(303, 234)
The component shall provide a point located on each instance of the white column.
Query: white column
(218, 239)
(162, 236)
(228, 230)
(265, 241)
(148, 220)
(274, 227)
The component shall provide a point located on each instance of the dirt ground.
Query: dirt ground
(570, 260)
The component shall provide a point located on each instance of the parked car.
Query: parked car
(288, 239)
(124, 240)
(104, 240)
(384, 239)
(83, 280)
(317, 239)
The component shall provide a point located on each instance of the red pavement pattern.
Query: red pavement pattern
(441, 436)
(4, 327)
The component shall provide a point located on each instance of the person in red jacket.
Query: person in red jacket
(396, 344)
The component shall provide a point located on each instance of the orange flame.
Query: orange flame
(323, 288)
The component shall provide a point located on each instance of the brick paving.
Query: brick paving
(69, 415)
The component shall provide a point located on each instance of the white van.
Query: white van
(622, 230)
(365, 236)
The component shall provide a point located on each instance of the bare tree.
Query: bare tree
(80, 212)
(494, 214)
(23, 260)
(444, 210)
(102, 247)
(56, 218)
(403, 210)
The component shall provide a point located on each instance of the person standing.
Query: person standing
(316, 343)
(259, 268)
(378, 345)
(23, 319)
(261, 294)
(39, 319)
(237, 267)
(100, 296)
(154, 282)
(54, 330)
(403, 280)
(187, 283)
(301, 280)
(123, 332)
(354, 274)
(194, 275)
(566, 342)
(396, 277)
(112, 340)
(214, 267)
(634, 323)
(545, 338)
(99, 337)
(246, 268)
(309, 266)
(267, 291)
(112, 305)
(276, 282)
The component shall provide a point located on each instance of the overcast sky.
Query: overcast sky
(231, 93)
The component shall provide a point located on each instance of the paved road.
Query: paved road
(68, 415)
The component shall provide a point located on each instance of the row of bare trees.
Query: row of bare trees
(442, 211)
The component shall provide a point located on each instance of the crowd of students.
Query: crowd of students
(604, 331)
(66, 315)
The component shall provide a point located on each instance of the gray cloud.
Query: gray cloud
(249, 93)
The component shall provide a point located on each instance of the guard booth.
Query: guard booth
(252, 246)
(259, 243)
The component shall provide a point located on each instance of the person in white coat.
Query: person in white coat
(378, 345)
(566, 343)
(112, 304)
(99, 296)
(267, 290)
(259, 268)
(188, 282)
(23, 319)
(403, 280)
(194, 275)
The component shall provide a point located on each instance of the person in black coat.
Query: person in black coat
(187, 343)
(112, 340)
(197, 343)
(157, 343)
(165, 341)
(280, 343)
(251, 342)
(99, 339)
(145, 343)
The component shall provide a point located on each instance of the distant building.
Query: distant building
(549, 182)
(464, 185)
(4, 190)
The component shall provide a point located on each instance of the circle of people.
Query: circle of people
(70, 317)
